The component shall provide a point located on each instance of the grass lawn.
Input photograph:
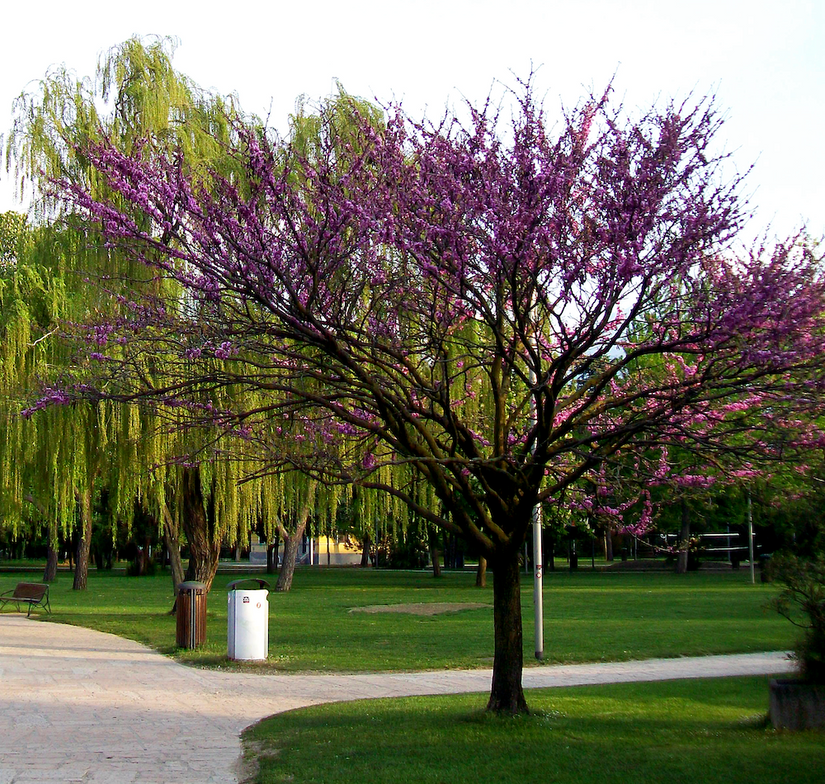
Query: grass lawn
(589, 616)
(704, 731)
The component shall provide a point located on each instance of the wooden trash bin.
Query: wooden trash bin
(191, 618)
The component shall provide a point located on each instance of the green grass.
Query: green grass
(589, 616)
(709, 731)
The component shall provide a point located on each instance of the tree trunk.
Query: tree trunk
(175, 563)
(481, 572)
(84, 541)
(608, 545)
(506, 694)
(146, 557)
(435, 556)
(287, 571)
(449, 551)
(204, 544)
(50, 572)
(684, 540)
(170, 539)
(365, 551)
(203, 560)
(272, 555)
(293, 540)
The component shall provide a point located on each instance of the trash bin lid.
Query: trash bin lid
(262, 584)
(191, 586)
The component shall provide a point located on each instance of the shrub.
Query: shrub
(802, 602)
(141, 566)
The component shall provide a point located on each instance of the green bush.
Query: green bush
(802, 602)
(141, 567)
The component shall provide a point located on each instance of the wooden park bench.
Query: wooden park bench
(32, 594)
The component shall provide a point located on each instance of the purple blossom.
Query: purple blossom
(225, 350)
(51, 397)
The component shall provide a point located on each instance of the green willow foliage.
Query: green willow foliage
(137, 98)
(46, 460)
(57, 272)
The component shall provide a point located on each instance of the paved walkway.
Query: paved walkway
(82, 706)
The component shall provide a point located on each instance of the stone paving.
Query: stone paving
(78, 705)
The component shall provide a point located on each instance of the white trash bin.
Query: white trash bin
(248, 626)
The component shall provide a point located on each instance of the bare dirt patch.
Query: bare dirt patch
(421, 608)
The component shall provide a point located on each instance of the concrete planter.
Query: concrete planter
(796, 705)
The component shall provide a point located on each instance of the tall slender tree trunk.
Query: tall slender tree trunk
(272, 554)
(481, 572)
(50, 572)
(684, 540)
(293, 540)
(84, 540)
(365, 551)
(449, 551)
(170, 539)
(435, 556)
(506, 694)
(204, 543)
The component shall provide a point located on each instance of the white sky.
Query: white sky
(764, 61)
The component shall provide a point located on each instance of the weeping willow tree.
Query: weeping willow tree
(185, 476)
(50, 463)
(57, 459)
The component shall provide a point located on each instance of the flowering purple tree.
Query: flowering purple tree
(495, 311)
